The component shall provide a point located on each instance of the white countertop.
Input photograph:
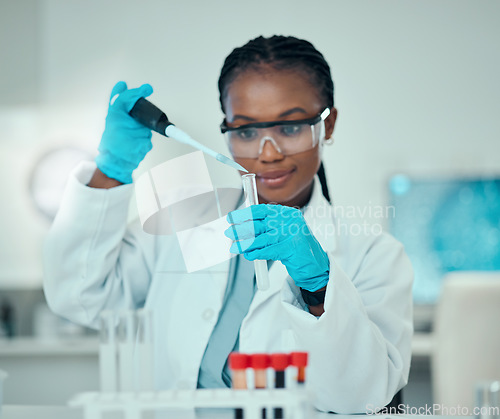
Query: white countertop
(422, 345)
(30, 346)
(62, 412)
(40, 412)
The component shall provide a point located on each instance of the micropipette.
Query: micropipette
(155, 119)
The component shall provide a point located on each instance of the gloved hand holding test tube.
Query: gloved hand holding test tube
(250, 188)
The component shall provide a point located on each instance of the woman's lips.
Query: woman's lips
(275, 178)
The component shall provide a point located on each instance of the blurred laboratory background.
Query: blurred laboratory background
(416, 152)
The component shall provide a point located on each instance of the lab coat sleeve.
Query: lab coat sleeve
(360, 347)
(92, 259)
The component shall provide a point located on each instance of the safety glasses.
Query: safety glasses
(288, 137)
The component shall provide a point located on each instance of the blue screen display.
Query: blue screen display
(446, 225)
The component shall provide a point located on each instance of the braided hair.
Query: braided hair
(281, 53)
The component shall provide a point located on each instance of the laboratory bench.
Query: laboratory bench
(51, 371)
(33, 346)
(61, 412)
(422, 345)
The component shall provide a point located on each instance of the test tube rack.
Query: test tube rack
(131, 404)
(130, 394)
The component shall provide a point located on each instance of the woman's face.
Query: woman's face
(277, 95)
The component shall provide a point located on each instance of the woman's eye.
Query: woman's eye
(291, 130)
(247, 134)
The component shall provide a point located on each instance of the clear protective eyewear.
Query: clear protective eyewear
(287, 137)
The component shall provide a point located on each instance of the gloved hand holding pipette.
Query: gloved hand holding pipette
(125, 142)
(276, 232)
(127, 136)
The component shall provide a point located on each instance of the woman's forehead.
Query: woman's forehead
(270, 94)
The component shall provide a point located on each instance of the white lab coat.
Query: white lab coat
(360, 348)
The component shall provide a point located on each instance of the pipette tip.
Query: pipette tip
(232, 163)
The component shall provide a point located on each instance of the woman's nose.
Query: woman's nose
(270, 151)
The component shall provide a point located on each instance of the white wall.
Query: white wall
(416, 82)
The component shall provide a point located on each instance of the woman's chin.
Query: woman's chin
(276, 196)
(292, 194)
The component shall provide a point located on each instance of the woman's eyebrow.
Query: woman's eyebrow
(282, 115)
(291, 111)
(246, 118)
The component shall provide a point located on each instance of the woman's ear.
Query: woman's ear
(330, 123)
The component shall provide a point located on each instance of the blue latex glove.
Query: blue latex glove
(125, 142)
(276, 232)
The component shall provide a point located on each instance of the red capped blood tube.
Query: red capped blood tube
(279, 363)
(299, 360)
(259, 363)
(238, 363)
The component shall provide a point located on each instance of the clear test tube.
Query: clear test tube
(487, 400)
(145, 350)
(107, 352)
(250, 188)
(126, 341)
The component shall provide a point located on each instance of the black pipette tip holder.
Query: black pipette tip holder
(150, 116)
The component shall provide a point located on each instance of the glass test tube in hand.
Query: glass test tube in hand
(250, 188)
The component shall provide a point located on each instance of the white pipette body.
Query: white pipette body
(177, 134)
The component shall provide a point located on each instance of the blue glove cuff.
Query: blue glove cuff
(314, 284)
(114, 168)
(125, 141)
